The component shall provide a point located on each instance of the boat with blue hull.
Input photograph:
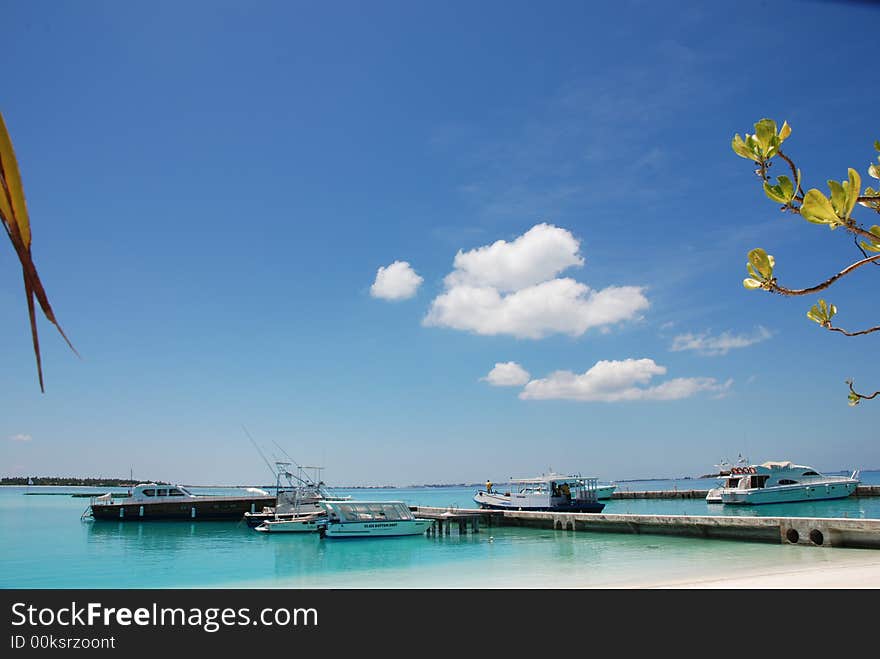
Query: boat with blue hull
(549, 492)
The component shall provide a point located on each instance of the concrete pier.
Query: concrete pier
(809, 531)
(861, 491)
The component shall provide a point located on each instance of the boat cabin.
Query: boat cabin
(153, 492)
(770, 474)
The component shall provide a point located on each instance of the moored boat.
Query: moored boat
(308, 523)
(605, 490)
(785, 482)
(303, 494)
(549, 492)
(371, 519)
(152, 501)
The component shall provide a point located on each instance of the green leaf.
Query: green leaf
(783, 191)
(765, 131)
(775, 193)
(761, 262)
(818, 209)
(751, 284)
(874, 170)
(838, 197)
(784, 132)
(741, 149)
(874, 245)
(853, 187)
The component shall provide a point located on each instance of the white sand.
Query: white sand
(845, 572)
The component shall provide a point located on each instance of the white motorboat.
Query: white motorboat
(605, 490)
(371, 519)
(309, 523)
(785, 482)
(548, 492)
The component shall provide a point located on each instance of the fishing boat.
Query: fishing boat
(154, 501)
(371, 519)
(785, 482)
(548, 492)
(301, 494)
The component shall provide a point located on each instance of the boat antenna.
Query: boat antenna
(259, 451)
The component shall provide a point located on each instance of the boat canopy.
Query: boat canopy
(368, 511)
(553, 478)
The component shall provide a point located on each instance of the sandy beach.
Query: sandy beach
(846, 572)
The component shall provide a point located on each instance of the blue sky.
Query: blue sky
(214, 187)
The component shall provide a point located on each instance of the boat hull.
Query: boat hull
(376, 529)
(221, 509)
(587, 507)
(311, 525)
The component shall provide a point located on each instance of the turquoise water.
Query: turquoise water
(47, 545)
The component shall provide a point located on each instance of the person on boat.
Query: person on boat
(565, 490)
(488, 486)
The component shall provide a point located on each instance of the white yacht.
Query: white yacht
(549, 492)
(371, 519)
(784, 482)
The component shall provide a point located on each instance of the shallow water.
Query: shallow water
(47, 545)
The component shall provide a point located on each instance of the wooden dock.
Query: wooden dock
(807, 531)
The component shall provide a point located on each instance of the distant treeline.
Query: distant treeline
(67, 480)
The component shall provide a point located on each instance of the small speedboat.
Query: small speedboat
(310, 523)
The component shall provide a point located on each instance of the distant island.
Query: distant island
(70, 481)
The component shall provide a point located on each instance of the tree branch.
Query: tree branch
(799, 193)
(772, 286)
(843, 331)
(855, 396)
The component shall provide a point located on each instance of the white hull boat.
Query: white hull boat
(294, 524)
(604, 491)
(549, 492)
(371, 519)
(783, 482)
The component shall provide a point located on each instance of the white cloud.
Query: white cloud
(397, 281)
(507, 374)
(508, 288)
(21, 438)
(613, 381)
(705, 344)
(539, 254)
